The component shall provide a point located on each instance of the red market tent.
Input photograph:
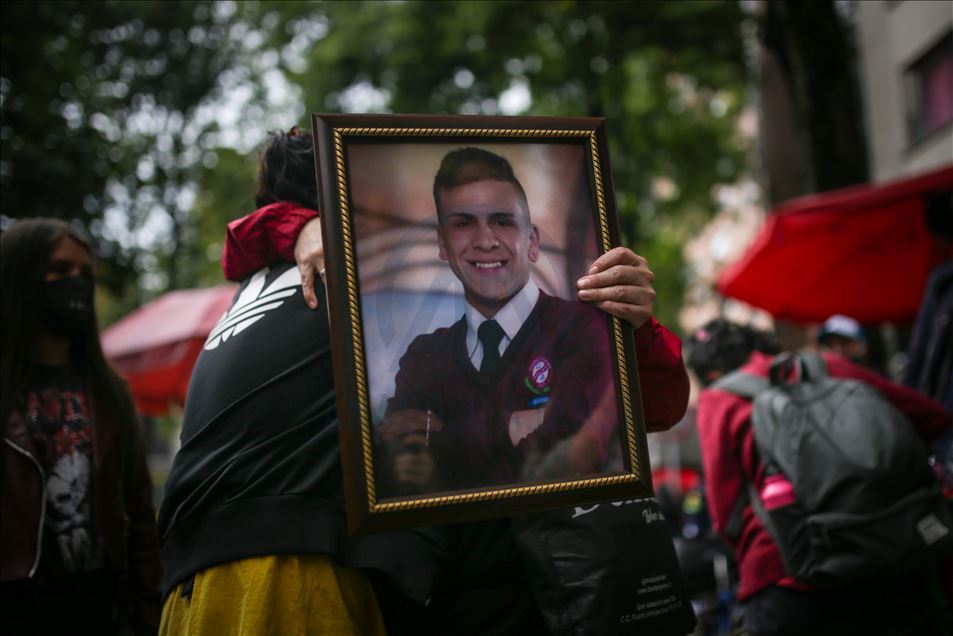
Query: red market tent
(155, 347)
(863, 251)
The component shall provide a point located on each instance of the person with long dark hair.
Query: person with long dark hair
(79, 547)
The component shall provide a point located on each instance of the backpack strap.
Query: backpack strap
(762, 515)
(811, 367)
(743, 384)
(732, 528)
(749, 497)
(748, 386)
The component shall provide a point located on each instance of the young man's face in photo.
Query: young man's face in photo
(487, 238)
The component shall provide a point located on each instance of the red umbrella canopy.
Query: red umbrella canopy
(155, 347)
(863, 251)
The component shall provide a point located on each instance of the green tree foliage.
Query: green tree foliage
(106, 121)
(110, 110)
(226, 191)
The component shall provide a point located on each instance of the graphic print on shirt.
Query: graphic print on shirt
(253, 303)
(67, 512)
(61, 426)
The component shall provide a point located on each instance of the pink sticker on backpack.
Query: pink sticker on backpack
(777, 492)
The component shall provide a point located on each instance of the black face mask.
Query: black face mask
(67, 305)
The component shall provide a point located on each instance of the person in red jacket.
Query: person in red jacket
(773, 602)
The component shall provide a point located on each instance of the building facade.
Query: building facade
(906, 70)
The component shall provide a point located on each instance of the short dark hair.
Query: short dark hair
(466, 165)
(286, 170)
(722, 346)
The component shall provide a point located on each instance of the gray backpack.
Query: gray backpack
(848, 491)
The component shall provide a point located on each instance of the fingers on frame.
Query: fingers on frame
(622, 290)
(631, 313)
(621, 275)
(618, 256)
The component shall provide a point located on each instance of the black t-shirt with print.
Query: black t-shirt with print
(59, 419)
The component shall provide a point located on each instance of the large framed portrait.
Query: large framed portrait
(471, 380)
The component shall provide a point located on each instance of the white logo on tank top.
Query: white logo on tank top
(254, 302)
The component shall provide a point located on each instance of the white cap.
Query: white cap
(839, 325)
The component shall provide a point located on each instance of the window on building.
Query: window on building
(929, 88)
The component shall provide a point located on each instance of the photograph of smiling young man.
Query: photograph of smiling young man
(497, 397)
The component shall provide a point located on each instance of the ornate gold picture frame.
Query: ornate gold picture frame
(434, 226)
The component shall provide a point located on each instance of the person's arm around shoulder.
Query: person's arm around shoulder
(926, 414)
(262, 238)
(620, 283)
(274, 233)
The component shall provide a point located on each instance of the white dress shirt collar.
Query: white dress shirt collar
(510, 317)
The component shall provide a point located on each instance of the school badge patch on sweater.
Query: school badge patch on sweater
(539, 380)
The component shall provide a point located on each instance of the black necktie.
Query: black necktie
(490, 334)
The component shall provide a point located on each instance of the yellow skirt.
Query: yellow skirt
(283, 595)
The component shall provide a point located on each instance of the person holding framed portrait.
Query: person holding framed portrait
(487, 586)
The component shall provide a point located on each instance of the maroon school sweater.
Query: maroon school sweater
(560, 361)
